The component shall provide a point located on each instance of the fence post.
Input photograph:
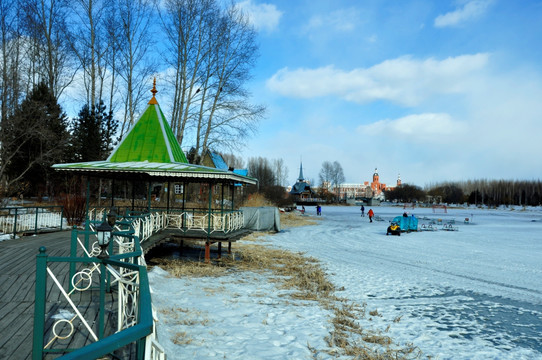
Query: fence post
(73, 254)
(36, 222)
(61, 216)
(39, 303)
(15, 224)
(101, 314)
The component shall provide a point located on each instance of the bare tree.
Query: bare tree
(281, 172)
(260, 169)
(88, 42)
(331, 174)
(134, 43)
(112, 56)
(10, 35)
(45, 24)
(326, 175)
(338, 174)
(185, 23)
(211, 53)
(233, 161)
(230, 117)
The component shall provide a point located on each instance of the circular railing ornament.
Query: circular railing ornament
(57, 333)
(83, 276)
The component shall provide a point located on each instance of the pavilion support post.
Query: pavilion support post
(39, 307)
(219, 249)
(184, 201)
(133, 195)
(87, 202)
(222, 202)
(149, 191)
(207, 252)
(232, 196)
(207, 243)
(112, 193)
(229, 247)
(168, 191)
(87, 215)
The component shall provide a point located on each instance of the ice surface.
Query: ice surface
(474, 293)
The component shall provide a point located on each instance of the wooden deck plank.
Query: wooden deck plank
(21, 338)
(11, 320)
(17, 292)
(17, 289)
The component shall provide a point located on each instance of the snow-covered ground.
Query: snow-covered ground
(475, 293)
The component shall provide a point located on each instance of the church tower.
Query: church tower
(375, 177)
(399, 180)
(375, 185)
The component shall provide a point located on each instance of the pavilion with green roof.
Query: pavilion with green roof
(150, 153)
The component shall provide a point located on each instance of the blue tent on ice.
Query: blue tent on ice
(406, 223)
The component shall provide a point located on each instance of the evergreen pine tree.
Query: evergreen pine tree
(92, 134)
(33, 138)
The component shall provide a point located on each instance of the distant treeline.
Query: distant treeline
(477, 192)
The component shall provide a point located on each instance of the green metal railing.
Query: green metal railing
(14, 220)
(124, 271)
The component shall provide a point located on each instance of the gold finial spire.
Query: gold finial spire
(153, 91)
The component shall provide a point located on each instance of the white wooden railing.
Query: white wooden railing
(225, 222)
(26, 219)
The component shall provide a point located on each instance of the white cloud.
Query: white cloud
(343, 20)
(262, 16)
(373, 38)
(426, 127)
(404, 80)
(471, 10)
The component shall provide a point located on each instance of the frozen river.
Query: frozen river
(471, 293)
(474, 293)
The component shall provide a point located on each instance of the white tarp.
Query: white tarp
(264, 218)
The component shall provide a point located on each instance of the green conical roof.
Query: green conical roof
(150, 139)
(151, 149)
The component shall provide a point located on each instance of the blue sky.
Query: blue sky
(431, 90)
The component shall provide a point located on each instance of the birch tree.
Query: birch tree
(186, 24)
(88, 43)
(230, 117)
(211, 52)
(10, 35)
(46, 27)
(134, 45)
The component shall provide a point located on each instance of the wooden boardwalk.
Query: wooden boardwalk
(17, 293)
(17, 279)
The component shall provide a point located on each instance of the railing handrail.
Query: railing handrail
(30, 218)
(140, 330)
(136, 229)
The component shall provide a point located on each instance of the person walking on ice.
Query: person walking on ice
(362, 211)
(371, 214)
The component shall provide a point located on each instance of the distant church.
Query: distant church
(378, 187)
(301, 189)
(375, 189)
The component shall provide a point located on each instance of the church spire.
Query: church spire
(301, 178)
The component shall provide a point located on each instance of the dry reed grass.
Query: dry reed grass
(256, 200)
(294, 219)
(304, 279)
